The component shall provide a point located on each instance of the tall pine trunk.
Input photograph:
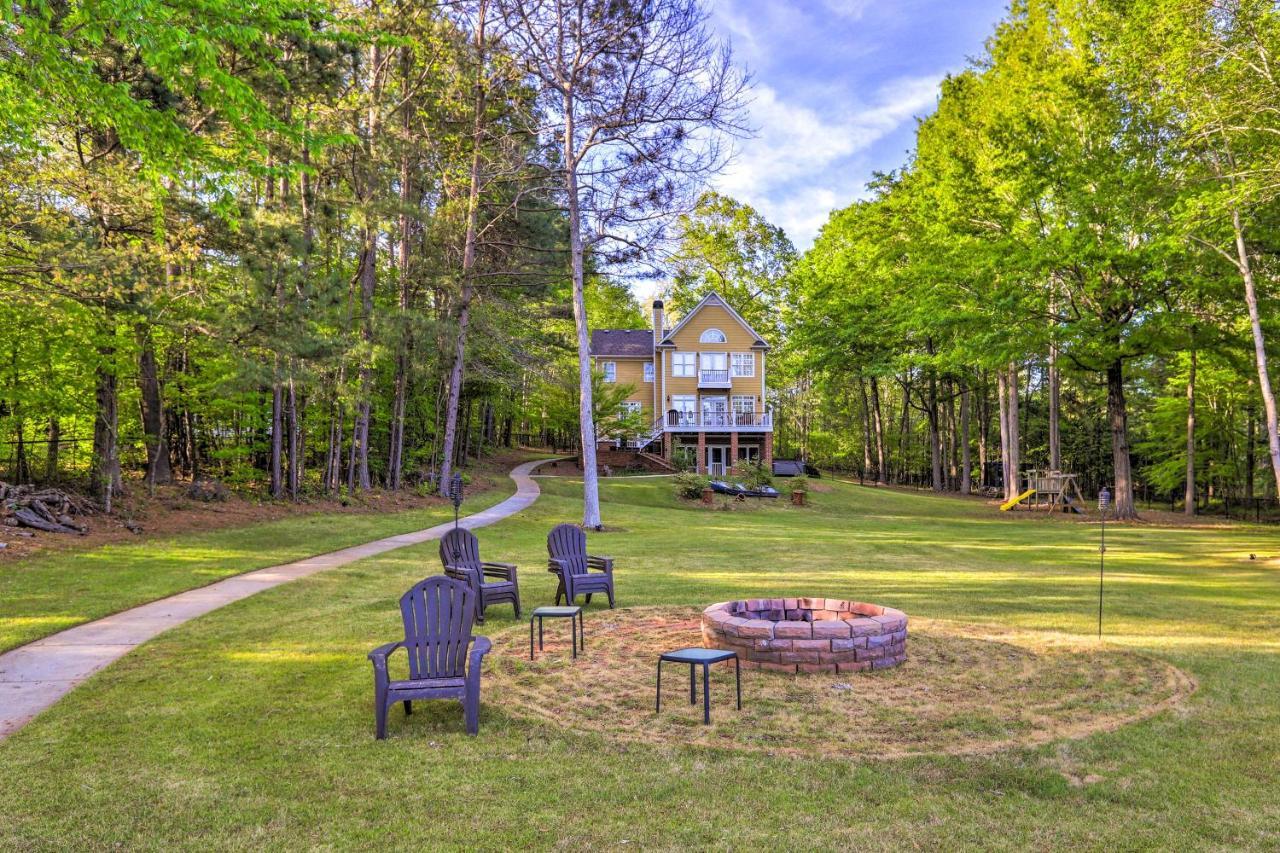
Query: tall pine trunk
(105, 466)
(458, 363)
(586, 419)
(1189, 496)
(1245, 265)
(877, 424)
(966, 456)
(1118, 419)
(151, 400)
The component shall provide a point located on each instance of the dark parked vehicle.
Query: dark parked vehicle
(794, 468)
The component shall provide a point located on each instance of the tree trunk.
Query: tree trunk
(1002, 395)
(1259, 347)
(1189, 498)
(458, 364)
(1015, 435)
(935, 436)
(54, 436)
(984, 427)
(966, 456)
(1118, 417)
(586, 422)
(1250, 458)
(277, 440)
(1055, 387)
(877, 424)
(153, 418)
(105, 467)
(866, 429)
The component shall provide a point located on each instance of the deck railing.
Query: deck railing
(730, 421)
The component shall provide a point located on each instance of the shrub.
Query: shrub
(690, 485)
(755, 474)
(799, 484)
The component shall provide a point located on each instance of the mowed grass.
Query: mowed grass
(53, 592)
(252, 727)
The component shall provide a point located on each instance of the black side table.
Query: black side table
(706, 657)
(572, 613)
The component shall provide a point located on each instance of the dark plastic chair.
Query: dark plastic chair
(444, 658)
(460, 554)
(580, 573)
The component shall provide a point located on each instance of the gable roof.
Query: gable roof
(714, 298)
(622, 342)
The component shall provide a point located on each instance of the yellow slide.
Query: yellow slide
(1012, 502)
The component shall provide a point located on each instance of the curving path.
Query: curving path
(34, 676)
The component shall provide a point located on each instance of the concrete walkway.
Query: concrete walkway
(34, 676)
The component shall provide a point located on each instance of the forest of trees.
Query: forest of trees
(1074, 271)
(319, 247)
(315, 247)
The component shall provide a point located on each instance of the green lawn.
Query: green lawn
(53, 592)
(252, 727)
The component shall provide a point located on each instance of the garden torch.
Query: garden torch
(1104, 504)
(455, 495)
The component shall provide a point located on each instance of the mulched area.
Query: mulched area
(964, 689)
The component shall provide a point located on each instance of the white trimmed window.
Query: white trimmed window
(630, 407)
(648, 371)
(712, 336)
(684, 364)
(744, 364)
(610, 371)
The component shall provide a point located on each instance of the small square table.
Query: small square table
(706, 657)
(572, 613)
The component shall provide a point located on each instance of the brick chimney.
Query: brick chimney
(657, 320)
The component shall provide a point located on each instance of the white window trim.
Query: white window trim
(675, 364)
(610, 369)
(648, 371)
(704, 339)
(749, 398)
(749, 358)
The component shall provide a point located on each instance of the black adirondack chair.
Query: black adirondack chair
(444, 658)
(580, 573)
(460, 554)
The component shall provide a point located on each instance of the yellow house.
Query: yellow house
(700, 384)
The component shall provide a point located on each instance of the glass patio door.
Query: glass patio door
(715, 412)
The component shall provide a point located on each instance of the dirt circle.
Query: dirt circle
(963, 689)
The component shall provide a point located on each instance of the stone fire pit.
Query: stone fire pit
(807, 634)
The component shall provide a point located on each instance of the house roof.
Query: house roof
(622, 342)
(714, 298)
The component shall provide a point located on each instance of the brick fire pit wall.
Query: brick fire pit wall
(807, 634)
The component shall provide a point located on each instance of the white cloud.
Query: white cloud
(802, 163)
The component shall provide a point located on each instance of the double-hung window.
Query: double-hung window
(744, 364)
(610, 371)
(684, 364)
(648, 371)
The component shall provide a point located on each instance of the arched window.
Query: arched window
(712, 336)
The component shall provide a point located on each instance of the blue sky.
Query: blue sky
(838, 86)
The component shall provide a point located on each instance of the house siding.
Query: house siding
(631, 372)
(738, 339)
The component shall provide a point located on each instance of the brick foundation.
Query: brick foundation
(807, 634)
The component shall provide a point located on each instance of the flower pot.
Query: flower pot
(797, 498)
(708, 495)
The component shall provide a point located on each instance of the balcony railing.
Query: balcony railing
(714, 379)
(729, 421)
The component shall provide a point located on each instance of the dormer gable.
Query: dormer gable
(714, 299)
